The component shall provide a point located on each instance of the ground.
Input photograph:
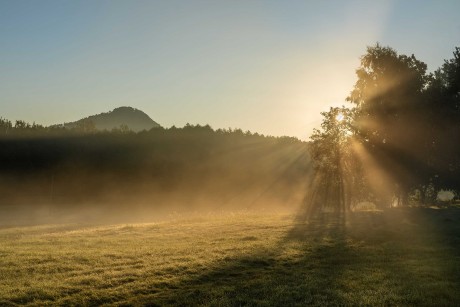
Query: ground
(396, 257)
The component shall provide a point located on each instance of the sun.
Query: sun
(339, 117)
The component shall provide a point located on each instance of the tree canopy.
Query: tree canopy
(399, 139)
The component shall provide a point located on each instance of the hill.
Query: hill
(135, 119)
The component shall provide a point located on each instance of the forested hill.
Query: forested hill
(127, 117)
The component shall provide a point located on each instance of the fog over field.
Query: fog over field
(127, 176)
(229, 153)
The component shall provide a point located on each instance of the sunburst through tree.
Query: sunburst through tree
(337, 171)
(398, 145)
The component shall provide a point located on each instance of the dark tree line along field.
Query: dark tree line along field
(188, 168)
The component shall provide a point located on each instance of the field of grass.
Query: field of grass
(397, 257)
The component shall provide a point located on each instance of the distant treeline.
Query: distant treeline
(193, 166)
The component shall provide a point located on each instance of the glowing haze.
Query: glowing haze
(265, 66)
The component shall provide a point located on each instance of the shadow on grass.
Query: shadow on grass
(367, 258)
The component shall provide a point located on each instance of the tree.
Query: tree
(443, 102)
(389, 96)
(450, 72)
(5, 126)
(336, 167)
(388, 87)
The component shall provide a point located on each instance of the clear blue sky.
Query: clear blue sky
(265, 66)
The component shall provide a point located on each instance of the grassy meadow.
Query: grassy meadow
(396, 257)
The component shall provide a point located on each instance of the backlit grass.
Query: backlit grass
(397, 257)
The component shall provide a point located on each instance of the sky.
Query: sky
(266, 66)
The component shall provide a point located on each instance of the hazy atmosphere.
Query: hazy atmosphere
(265, 66)
(229, 153)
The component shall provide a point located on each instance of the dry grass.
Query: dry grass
(398, 257)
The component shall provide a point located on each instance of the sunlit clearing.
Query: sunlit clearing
(339, 117)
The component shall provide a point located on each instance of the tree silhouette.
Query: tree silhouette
(337, 170)
(443, 105)
(389, 96)
(5, 126)
(389, 87)
(400, 141)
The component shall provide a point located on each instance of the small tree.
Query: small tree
(5, 126)
(336, 169)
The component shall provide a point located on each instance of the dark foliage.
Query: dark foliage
(406, 125)
(190, 167)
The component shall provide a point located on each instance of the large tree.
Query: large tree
(389, 96)
(388, 88)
